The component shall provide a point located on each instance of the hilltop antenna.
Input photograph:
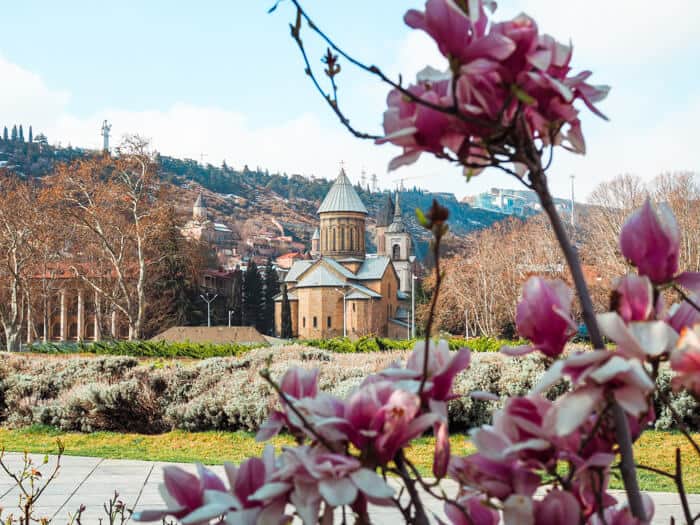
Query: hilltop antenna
(106, 127)
(363, 178)
(375, 185)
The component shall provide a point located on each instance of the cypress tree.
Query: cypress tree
(235, 301)
(252, 296)
(5, 135)
(21, 133)
(286, 328)
(272, 288)
(14, 133)
(31, 135)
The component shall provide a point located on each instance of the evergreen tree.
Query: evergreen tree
(252, 296)
(235, 299)
(172, 286)
(21, 133)
(14, 133)
(5, 135)
(272, 288)
(31, 135)
(286, 328)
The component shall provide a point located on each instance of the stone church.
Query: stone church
(343, 290)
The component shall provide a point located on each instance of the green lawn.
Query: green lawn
(655, 448)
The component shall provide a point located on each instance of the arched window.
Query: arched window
(73, 331)
(303, 322)
(342, 238)
(334, 239)
(396, 252)
(352, 239)
(56, 331)
(315, 322)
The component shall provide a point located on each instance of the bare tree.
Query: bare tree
(115, 206)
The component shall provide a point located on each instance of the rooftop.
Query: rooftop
(342, 197)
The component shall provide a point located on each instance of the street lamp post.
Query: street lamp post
(209, 301)
(411, 260)
(229, 318)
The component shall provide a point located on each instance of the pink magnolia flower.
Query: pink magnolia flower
(685, 362)
(323, 411)
(641, 339)
(182, 492)
(594, 375)
(443, 367)
(453, 29)
(633, 298)
(623, 515)
(245, 502)
(471, 511)
(498, 478)
(382, 419)
(298, 382)
(543, 316)
(684, 315)
(317, 476)
(557, 508)
(650, 240)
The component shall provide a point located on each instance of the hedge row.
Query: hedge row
(124, 394)
(146, 349)
(378, 344)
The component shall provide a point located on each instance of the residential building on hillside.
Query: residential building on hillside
(200, 228)
(521, 203)
(344, 290)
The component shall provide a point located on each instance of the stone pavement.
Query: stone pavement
(92, 481)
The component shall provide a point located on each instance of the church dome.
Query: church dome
(397, 225)
(342, 197)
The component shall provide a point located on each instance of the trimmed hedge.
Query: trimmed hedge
(146, 349)
(367, 344)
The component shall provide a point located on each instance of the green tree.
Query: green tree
(235, 299)
(14, 133)
(5, 136)
(272, 288)
(252, 296)
(21, 133)
(31, 135)
(286, 328)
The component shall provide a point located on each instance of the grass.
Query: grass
(654, 448)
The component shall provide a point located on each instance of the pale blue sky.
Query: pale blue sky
(223, 79)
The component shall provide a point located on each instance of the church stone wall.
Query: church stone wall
(342, 234)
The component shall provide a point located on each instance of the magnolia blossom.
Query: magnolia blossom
(595, 374)
(382, 419)
(472, 510)
(684, 315)
(502, 70)
(650, 239)
(182, 492)
(642, 339)
(543, 316)
(633, 298)
(622, 515)
(685, 362)
(317, 476)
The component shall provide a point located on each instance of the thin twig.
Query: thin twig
(265, 374)
(431, 313)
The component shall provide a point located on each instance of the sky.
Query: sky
(221, 80)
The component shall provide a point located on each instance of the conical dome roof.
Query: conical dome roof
(342, 197)
(397, 225)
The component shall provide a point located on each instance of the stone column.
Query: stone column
(114, 324)
(81, 316)
(64, 316)
(98, 330)
(29, 323)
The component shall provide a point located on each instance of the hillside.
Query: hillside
(252, 201)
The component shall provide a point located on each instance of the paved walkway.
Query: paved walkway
(92, 481)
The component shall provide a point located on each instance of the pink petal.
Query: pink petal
(338, 492)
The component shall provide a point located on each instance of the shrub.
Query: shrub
(147, 349)
(226, 393)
